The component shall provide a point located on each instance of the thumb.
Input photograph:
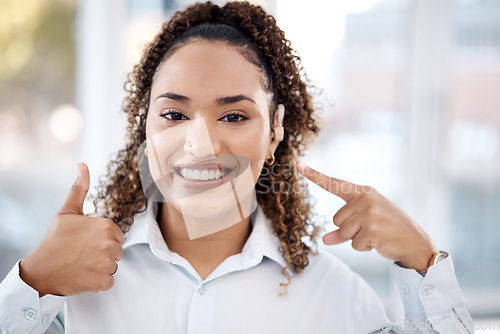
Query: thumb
(333, 238)
(74, 201)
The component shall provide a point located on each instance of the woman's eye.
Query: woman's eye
(174, 116)
(234, 118)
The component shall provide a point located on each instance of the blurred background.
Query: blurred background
(411, 107)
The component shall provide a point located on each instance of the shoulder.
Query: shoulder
(325, 265)
(323, 257)
(327, 268)
(335, 283)
(335, 277)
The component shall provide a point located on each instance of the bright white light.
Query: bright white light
(358, 6)
(65, 123)
(138, 33)
(13, 147)
(474, 141)
(317, 29)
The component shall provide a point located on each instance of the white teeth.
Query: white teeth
(205, 174)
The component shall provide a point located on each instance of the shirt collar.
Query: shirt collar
(145, 230)
(261, 242)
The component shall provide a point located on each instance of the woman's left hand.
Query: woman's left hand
(372, 221)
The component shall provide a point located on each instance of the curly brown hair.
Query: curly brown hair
(281, 192)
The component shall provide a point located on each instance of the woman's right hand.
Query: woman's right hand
(78, 253)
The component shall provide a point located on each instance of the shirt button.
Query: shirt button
(406, 289)
(29, 313)
(46, 320)
(427, 290)
(202, 289)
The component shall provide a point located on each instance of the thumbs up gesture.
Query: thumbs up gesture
(372, 221)
(78, 253)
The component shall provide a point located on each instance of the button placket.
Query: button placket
(202, 289)
(427, 290)
(29, 314)
(201, 309)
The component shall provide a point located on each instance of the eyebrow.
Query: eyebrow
(220, 100)
(234, 99)
(173, 96)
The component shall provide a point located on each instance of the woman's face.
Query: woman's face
(208, 126)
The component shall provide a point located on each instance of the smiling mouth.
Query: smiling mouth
(202, 174)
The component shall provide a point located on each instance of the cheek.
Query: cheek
(153, 124)
(254, 146)
(150, 127)
(162, 143)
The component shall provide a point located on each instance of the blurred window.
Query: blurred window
(410, 106)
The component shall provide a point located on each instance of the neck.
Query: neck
(204, 253)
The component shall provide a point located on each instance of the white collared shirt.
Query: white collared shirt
(158, 291)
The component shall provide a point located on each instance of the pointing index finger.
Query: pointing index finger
(343, 189)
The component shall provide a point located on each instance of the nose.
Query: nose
(200, 140)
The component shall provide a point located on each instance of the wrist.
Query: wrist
(28, 274)
(420, 261)
(437, 257)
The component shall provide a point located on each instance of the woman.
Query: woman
(206, 213)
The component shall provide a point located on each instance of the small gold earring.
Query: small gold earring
(270, 160)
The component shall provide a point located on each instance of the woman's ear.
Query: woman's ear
(279, 131)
